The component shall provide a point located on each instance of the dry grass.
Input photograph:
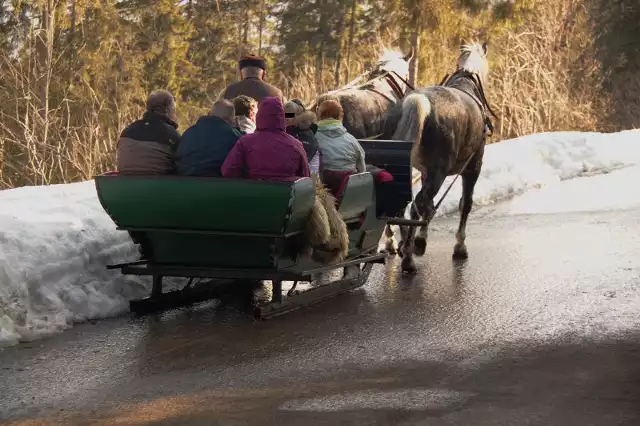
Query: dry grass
(545, 76)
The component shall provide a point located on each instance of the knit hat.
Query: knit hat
(252, 61)
(293, 107)
(299, 102)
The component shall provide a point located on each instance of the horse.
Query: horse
(366, 106)
(371, 109)
(448, 124)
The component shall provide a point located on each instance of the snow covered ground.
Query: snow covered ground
(517, 165)
(55, 241)
(54, 244)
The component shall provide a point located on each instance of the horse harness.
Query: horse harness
(390, 77)
(480, 99)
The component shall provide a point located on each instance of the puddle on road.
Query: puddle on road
(405, 399)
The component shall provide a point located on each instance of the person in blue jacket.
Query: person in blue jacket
(205, 145)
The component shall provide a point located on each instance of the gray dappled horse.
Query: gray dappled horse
(367, 105)
(448, 124)
(371, 109)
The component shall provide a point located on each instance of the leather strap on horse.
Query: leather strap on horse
(404, 81)
(388, 76)
(482, 102)
(394, 85)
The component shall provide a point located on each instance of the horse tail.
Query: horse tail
(415, 109)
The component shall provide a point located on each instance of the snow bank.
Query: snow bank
(54, 244)
(55, 241)
(517, 165)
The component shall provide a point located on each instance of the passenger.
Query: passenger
(253, 72)
(301, 124)
(206, 144)
(342, 155)
(246, 109)
(147, 146)
(269, 153)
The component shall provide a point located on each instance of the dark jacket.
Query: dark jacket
(304, 129)
(252, 87)
(148, 146)
(269, 153)
(204, 147)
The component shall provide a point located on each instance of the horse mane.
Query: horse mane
(389, 55)
(394, 60)
(473, 59)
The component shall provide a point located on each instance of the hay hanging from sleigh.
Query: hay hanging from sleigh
(326, 236)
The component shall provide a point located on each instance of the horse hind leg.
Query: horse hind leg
(389, 245)
(469, 180)
(422, 207)
(420, 242)
(431, 186)
(408, 265)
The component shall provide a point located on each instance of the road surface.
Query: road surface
(541, 326)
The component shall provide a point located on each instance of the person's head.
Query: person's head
(252, 66)
(299, 102)
(330, 110)
(292, 109)
(270, 114)
(246, 106)
(163, 103)
(224, 110)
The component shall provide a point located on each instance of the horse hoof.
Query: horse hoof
(420, 246)
(460, 252)
(408, 267)
(350, 272)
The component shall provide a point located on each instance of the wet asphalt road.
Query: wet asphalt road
(541, 326)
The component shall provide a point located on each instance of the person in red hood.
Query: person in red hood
(269, 153)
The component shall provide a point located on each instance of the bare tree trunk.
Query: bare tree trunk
(72, 42)
(352, 30)
(413, 65)
(261, 27)
(245, 30)
(323, 34)
(340, 31)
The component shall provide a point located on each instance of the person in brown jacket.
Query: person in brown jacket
(253, 71)
(147, 146)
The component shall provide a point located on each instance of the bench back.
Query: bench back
(210, 222)
(206, 204)
(394, 157)
(357, 196)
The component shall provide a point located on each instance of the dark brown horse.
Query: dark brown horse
(448, 124)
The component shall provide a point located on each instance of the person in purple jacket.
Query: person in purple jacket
(269, 153)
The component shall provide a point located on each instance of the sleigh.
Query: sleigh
(227, 232)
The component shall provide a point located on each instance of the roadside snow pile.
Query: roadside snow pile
(55, 241)
(517, 165)
(54, 244)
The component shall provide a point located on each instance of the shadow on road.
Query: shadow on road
(585, 383)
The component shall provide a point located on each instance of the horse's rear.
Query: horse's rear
(448, 127)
